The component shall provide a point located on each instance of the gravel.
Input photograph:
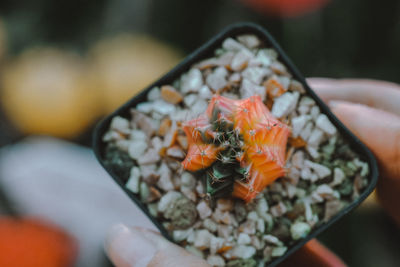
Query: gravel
(323, 175)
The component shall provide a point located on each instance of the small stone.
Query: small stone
(210, 225)
(252, 215)
(170, 94)
(243, 239)
(167, 199)
(154, 94)
(189, 193)
(232, 45)
(180, 235)
(224, 231)
(217, 79)
(338, 176)
(321, 170)
(182, 213)
(165, 125)
(149, 173)
(216, 244)
(144, 123)
(243, 252)
(249, 40)
(298, 159)
(315, 138)
(171, 135)
(325, 125)
(203, 239)
(144, 192)
(332, 207)
(255, 74)
(165, 180)
(314, 112)
(156, 143)
(266, 56)
(296, 86)
(298, 124)
(285, 104)
(203, 209)
(278, 209)
(235, 77)
(136, 149)
(191, 81)
(198, 107)
(299, 230)
(150, 157)
(241, 59)
(205, 92)
(313, 152)
(272, 240)
(249, 89)
(262, 208)
(120, 124)
(215, 260)
(260, 225)
(225, 204)
(145, 107)
(138, 135)
(176, 152)
(279, 251)
(163, 107)
(306, 132)
(248, 227)
(134, 180)
(188, 180)
(190, 99)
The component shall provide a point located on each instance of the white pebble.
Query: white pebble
(167, 199)
(321, 170)
(325, 125)
(249, 40)
(136, 149)
(191, 81)
(204, 210)
(285, 104)
(299, 230)
(154, 94)
(215, 260)
(298, 124)
(315, 138)
(120, 124)
(243, 239)
(134, 180)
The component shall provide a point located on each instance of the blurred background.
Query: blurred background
(66, 64)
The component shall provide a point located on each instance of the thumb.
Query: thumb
(139, 247)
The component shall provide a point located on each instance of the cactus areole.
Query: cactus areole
(237, 145)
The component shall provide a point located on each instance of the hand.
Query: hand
(139, 247)
(371, 110)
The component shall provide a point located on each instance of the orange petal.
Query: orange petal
(200, 156)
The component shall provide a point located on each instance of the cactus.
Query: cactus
(240, 146)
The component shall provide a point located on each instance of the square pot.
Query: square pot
(205, 51)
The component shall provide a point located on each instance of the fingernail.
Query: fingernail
(130, 245)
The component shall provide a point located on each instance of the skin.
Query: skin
(369, 108)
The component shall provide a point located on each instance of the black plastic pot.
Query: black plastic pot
(205, 51)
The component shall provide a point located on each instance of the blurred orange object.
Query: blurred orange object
(313, 254)
(29, 242)
(126, 64)
(286, 8)
(46, 91)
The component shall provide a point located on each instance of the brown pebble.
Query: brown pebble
(169, 94)
(165, 125)
(182, 141)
